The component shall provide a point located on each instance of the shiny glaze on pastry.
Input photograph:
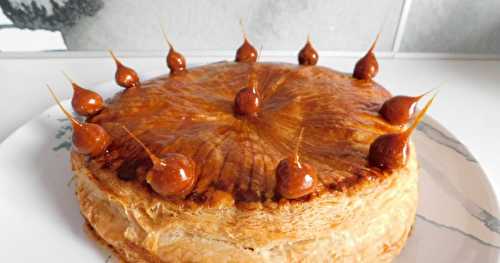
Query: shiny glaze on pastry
(193, 114)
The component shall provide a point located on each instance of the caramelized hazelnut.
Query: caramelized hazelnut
(172, 176)
(247, 102)
(390, 151)
(125, 76)
(367, 67)
(295, 179)
(308, 55)
(85, 102)
(88, 138)
(246, 52)
(175, 60)
(398, 110)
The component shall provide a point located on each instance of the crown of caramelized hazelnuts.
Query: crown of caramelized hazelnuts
(173, 175)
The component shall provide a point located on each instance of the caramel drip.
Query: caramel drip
(367, 67)
(297, 146)
(155, 160)
(88, 138)
(390, 151)
(308, 55)
(125, 76)
(85, 102)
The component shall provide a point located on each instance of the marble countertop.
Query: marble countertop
(467, 104)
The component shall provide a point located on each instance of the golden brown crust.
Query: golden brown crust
(355, 213)
(192, 113)
(370, 224)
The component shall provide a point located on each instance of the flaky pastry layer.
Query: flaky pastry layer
(367, 224)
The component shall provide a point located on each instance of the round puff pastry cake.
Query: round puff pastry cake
(247, 162)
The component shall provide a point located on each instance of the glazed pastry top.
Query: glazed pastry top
(193, 113)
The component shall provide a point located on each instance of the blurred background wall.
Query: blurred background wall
(444, 26)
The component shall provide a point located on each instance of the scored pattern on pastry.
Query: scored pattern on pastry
(236, 123)
(193, 114)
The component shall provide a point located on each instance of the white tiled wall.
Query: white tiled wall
(213, 25)
(466, 26)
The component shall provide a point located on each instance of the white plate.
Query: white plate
(457, 218)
